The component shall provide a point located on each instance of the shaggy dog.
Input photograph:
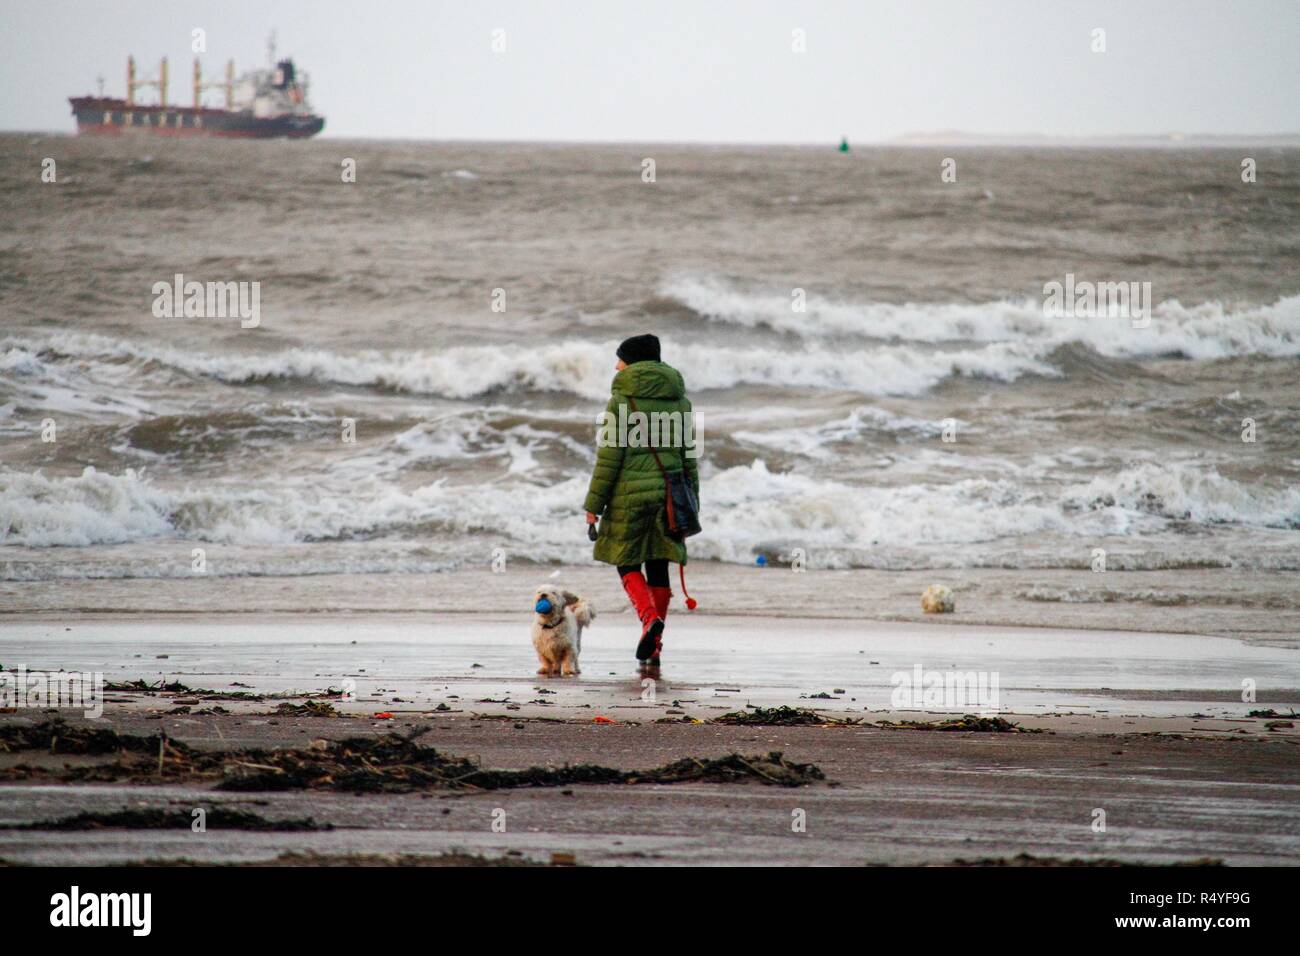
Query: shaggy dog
(557, 630)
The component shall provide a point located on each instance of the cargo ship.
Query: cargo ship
(260, 104)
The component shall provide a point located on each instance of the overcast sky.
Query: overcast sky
(693, 70)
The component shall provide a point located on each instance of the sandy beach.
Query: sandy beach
(1150, 728)
(1253, 605)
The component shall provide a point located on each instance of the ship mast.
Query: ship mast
(132, 84)
(228, 85)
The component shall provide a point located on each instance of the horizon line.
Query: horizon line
(919, 139)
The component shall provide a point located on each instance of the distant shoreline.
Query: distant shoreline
(920, 140)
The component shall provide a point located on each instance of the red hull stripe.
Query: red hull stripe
(113, 129)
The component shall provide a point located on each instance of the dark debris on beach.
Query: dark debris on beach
(312, 708)
(176, 688)
(784, 717)
(214, 818)
(968, 722)
(390, 763)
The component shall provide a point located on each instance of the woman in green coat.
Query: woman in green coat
(627, 487)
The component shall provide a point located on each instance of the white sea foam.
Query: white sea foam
(92, 508)
(1209, 330)
(581, 367)
(19, 361)
(747, 508)
(814, 439)
(486, 433)
(92, 389)
(750, 508)
(1191, 493)
(98, 508)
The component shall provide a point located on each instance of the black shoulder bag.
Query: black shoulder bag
(680, 504)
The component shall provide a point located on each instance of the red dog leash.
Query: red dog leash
(690, 601)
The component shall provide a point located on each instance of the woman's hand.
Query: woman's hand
(591, 518)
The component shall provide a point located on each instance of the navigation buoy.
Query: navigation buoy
(844, 144)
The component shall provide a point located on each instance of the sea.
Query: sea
(881, 375)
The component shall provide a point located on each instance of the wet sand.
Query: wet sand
(483, 663)
(1256, 606)
(1150, 728)
(900, 797)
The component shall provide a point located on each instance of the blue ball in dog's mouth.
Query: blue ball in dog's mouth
(543, 606)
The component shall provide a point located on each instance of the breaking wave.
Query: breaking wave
(576, 367)
(1210, 330)
(1186, 493)
(98, 508)
(749, 509)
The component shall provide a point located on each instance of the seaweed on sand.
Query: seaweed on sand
(160, 687)
(390, 763)
(59, 737)
(394, 763)
(215, 818)
(968, 722)
(141, 686)
(783, 717)
(312, 708)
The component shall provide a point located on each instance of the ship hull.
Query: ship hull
(114, 117)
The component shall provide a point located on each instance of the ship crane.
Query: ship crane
(228, 84)
(132, 84)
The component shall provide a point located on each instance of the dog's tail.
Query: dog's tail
(584, 612)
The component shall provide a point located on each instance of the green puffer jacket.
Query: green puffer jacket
(627, 488)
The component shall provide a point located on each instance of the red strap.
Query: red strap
(690, 601)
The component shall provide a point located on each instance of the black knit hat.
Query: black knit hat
(639, 348)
